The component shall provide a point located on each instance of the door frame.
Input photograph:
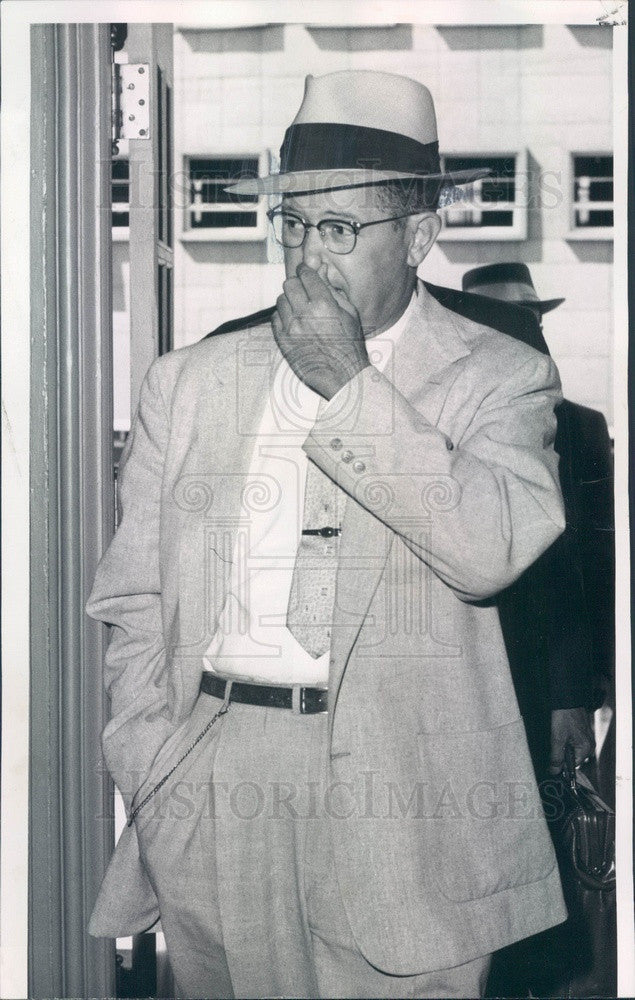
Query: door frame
(72, 508)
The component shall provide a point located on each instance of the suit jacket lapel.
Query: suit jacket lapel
(246, 374)
(227, 411)
(429, 344)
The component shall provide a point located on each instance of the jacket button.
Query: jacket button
(449, 445)
(347, 456)
(336, 444)
(358, 466)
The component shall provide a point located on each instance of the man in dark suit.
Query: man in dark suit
(558, 625)
(567, 624)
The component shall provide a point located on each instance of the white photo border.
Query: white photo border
(17, 17)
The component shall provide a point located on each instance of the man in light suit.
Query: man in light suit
(314, 726)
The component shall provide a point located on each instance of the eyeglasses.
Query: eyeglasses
(338, 235)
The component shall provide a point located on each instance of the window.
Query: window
(215, 214)
(497, 206)
(592, 196)
(120, 197)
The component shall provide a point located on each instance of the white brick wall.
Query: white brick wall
(496, 88)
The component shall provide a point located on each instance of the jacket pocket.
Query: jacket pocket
(487, 822)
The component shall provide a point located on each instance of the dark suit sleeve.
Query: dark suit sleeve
(544, 620)
(557, 618)
(547, 643)
(589, 497)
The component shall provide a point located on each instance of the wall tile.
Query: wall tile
(565, 98)
(578, 333)
(584, 379)
(242, 101)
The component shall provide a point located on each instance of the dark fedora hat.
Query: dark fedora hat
(510, 282)
(359, 127)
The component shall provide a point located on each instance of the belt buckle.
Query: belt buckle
(303, 707)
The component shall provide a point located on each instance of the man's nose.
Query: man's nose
(313, 249)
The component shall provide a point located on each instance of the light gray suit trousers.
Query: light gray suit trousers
(253, 907)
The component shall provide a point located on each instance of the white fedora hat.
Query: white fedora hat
(358, 127)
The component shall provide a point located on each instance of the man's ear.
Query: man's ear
(423, 237)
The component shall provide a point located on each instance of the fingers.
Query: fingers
(584, 743)
(583, 751)
(296, 295)
(314, 287)
(307, 294)
(570, 727)
(285, 312)
(276, 324)
(344, 303)
(556, 764)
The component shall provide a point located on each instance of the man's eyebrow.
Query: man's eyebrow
(326, 214)
(344, 216)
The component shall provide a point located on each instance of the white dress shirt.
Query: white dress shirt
(252, 640)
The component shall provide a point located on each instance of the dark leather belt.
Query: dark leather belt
(311, 700)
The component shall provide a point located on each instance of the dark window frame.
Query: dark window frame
(588, 189)
(239, 219)
(488, 201)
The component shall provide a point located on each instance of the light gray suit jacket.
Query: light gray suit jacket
(448, 463)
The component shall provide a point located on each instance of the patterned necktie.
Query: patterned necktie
(312, 596)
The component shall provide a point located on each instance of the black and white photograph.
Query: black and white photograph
(316, 632)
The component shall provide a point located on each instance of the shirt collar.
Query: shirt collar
(380, 348)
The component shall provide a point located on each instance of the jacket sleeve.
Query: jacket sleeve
(583, 623)
(479, 509)
(126, 595)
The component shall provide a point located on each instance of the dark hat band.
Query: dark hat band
(329, 146)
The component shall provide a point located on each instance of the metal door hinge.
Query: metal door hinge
(131, 101)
